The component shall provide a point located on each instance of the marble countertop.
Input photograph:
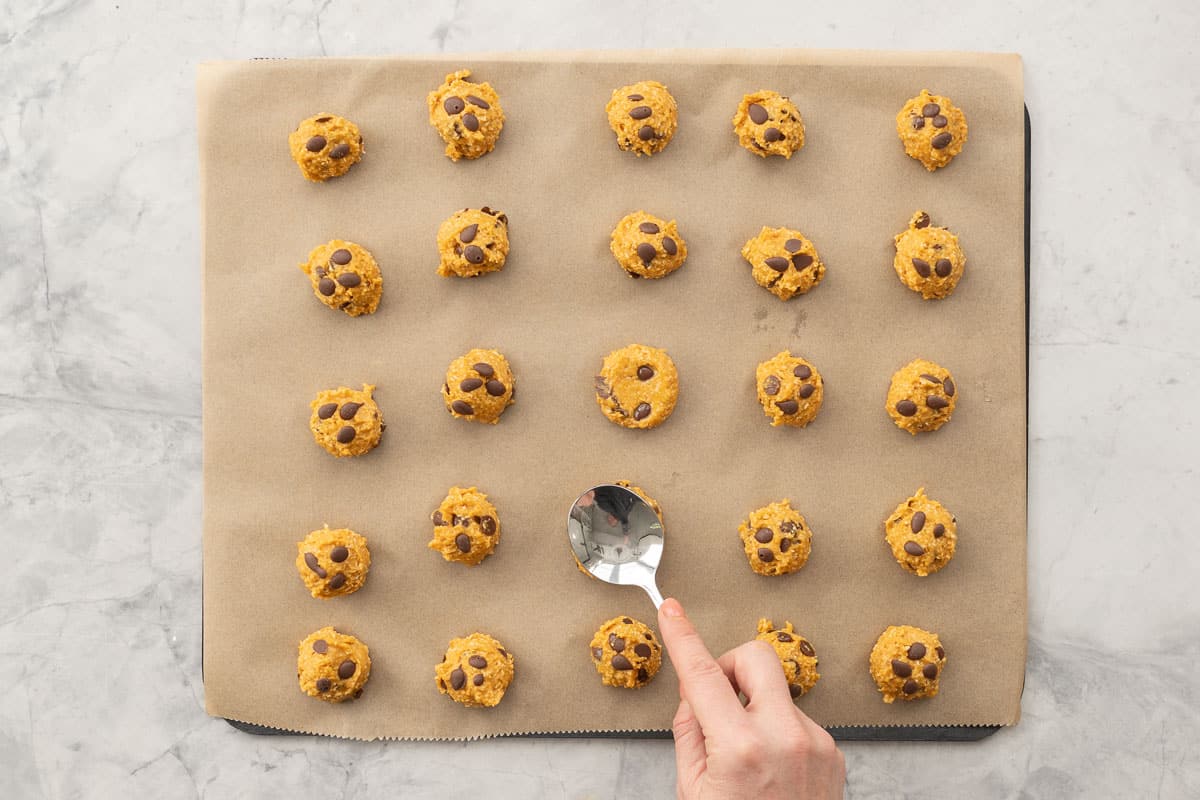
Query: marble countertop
(100, 397)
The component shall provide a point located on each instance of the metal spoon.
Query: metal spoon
(617, 537)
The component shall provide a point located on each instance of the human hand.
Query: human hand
(765, 750)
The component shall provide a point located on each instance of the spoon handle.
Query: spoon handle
(655, 595)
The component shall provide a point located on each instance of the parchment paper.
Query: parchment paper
(558, 307)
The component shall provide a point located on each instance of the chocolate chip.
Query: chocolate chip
(467, 234)
(939, 531)
(669, 245)
(458, 678)
(484, 369)
(906, 408)
(778, 263)
(930, 671)
(806, 390)
(794, 690)
(918, 123)
(634, 97)
(642, 675)
(346, 434)
(764, 535)
(463, 542)
(931, 110)
(602, 388)
(341, 257)
(922, 220)
(916, 651)
(597, 653)
(621, 662)
(473, 254)
(783, 636)
(315, 145)
(901, 668)
(478, 680)
(917, 522)
(616, 643)
(785, 545)
(646, 133)
(627, 620)
(339, 554)
(337, 581)
(478, 102)
(925, 376)
(921, 266)
(646, 252)
(470, 384)
(801, 260)
(940, 141)
(339, 151)
(326, 286)
(642, 649)
(453, 105)
(648, 227)
(326, 411)
(642, 411)
(487, 525)
(936, 402)
(807, 648)
(757, 113)
(765, 555)
(324, 684)
(438, 519)
(943, 267)
(802, 371)
(495, 388)
(771, 386)
(772, 135)
(478, 662)
(320, 646)
(346, 669)
(911, 686)
(940, 122)
(640, 112)
(788, 406)
(470, 122)
(322, 119)
(787, 526)
(913, 549)
(948, 387)
(314, 565)
(321, 272)
(645, 372)
(941, 653)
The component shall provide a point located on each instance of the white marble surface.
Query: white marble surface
(100, 397)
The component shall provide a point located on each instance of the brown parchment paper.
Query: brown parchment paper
(558, 307)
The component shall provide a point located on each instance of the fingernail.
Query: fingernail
(671, 608)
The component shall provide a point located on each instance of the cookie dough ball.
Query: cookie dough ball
(466, 115)
(625, 653)
(472, 242)
(922, 397)
(906, 663)
(646, 246)
(346, 422)
(333, 563)
(932, 129)
(769, 124)
(928, 258)
(466, 527)
(922, 534)
(637, 386)
(776, 539)
(345, 276)
(332, 666)
(475, 671)
(784, 262)
(790, 390)
(479, 386)
(325, 146)
(796, 654)
(644, 116)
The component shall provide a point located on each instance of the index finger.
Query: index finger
(702, 682)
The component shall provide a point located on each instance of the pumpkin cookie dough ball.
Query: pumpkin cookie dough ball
(475, 671)
(790, 390)
(795, 653)
(928, 258)
(921, 397)
(333, 563)
(346, 422)
(325, 146)
(479, 386)
(647, 247)
(332, 666)
(637, 386)
(784, 262)
(776, 539)
(472, 242)
(922, 534)
(932, 129)
(345, 276)
(906, 663)
(466, 115)
(466, 527)
(644, 116)
(625, 653)
(769, 124)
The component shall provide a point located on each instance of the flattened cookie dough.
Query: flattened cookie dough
(346, 422)
(325, 146)
(333, 562)
(466, 527)
(776, 539)
(790, 390)
(644, 117)
(906, 663)
(466, 115)
(626, 653)
(475, 671)
(332, 666)
(932, 129)
(928, 258)
(471, 242)
(637, 386)
(646, 246)
(479, 386)
(769, 124)
(921, 397)
(344, 275)
(784, 262)
(922, 534)
(796, 654)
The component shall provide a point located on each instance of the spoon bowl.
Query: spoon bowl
(617, 537)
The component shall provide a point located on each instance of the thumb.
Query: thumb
(691, 756)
